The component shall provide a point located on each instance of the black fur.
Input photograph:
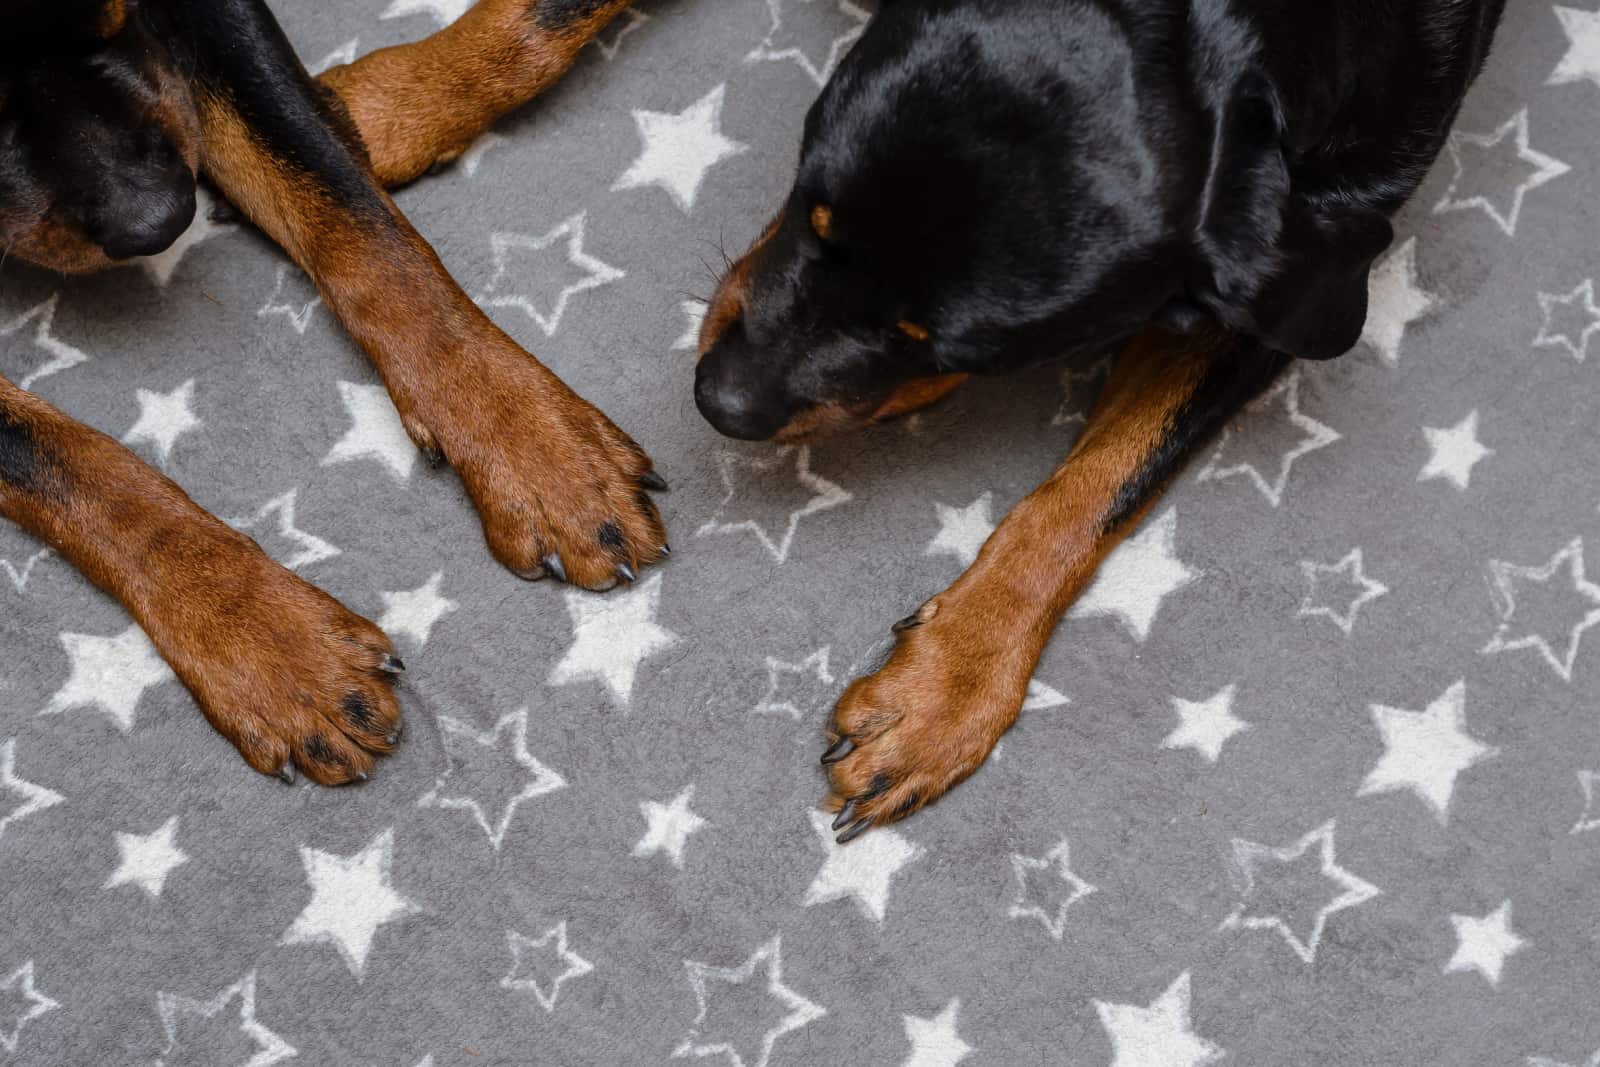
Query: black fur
(557, 15)
(23, 463)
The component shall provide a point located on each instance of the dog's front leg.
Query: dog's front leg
(900, 738)
(559, 489)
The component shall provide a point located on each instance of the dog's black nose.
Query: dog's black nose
(737, 395)
(142, 219)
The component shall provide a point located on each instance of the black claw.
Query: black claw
(910, 622)
(838, 750)
(845, 814)
(393, 736)
(553, 567)
(286, 772)
(855, 830)
(666, 550)
(653, 482)
(392, 664)
(361, 776)
(626, 573)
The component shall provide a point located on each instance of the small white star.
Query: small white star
(1505, 575)
(1577, 306)
(935, 1042)
(375, 431)
(694, 317)
(962, 531)
(1137, 578)
(444, 12)
(1484, 945)
(18, 576)
(299, 310)
(1249, 858)
(344, 54)
(1351, 575)
(62, 355)
(1424, 751)
(1160, 1035)
(161, 267)
(269, 1047)
(813, 671)
(680, 149)
(1544, 169)
(1041, 697)
(595, 273)
(1589, 782)
(523, 953)
(1285, 396)
(472, 158)
(668, 827)
(1205, 725)
(862, 869)
(414, 612)
(351, 898)
(612, 636)
(1394, 301)
(308, 548)
(774, 47)
(625, 24)
(163, 418)
(1582, 60)
(508, 742)
(1052, 868)
(19, 983)
(147, 859)
(1455, 452)
(110, 674)
(769, 958)
(825, 495)
(35, 798)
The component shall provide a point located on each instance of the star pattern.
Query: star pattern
(768, 959)
(1046, 888)
(19, 984)
(444, 12)
(1251, 861)
(1511, 581)
(62, 356)
(1468, 190)
(375, 431)
(526, 956)
(1136, 579)
(163, 418)
(962, 531)
(1484, 944)
(300, 309)
(935, 1042)
(1395, 301)
(1570, 320)
(147, 859)
(794, 20)
(795, 688)
(612, 636)
(352, 898)
(1160, 1035)
(1329, 589)
(35, 798)
(19, 576)
(415, 612)
(109, 674)
(694, 317)
(680, 149)
(669, 827)
(569, 236)
(1455, 452)
(1589, 783)
(307, 548)
(160, 268)
(1582, 59)
(469, 749)
(174, 1010)
(861, 870)
(1206, 725)
(823, 495)
(1425, 751)
(1280, 404)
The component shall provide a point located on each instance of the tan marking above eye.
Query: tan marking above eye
(113, 17)
(912, 330)
(822, 221)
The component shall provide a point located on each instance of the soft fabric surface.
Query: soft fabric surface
(1312, 777)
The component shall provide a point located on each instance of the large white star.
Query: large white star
(862, 869)
(109, 673)
(1505, 575)
(1545, 169)
(694, 318)
(163, 418)
(62, 355)
(1248, 860)
(1137, 578)
(1575, 335)
(1484, 944)
(825, 495)
(508, 742)
(270, 1048)
(1160, 1035)
(1205, 725)
(935, 1042)
(1056, 867)
(1394, 301)
(19, 983)
(962, 531)
(1285, 395)
(415, 611)
(768, 958)
(679, 150)
(1582, 60)
(813, 672)
(668, 827)
(1351, 573)
(1455, 451)
(375, 430)
(595, 272)
(161, 267)
(35, 798)
(351, 898)
(1424, 751)
(147, 859)
(553, 942)
(309, 548)
(612, 636)
(775, 47)
(444, 12)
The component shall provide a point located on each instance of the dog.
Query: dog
(109, 110)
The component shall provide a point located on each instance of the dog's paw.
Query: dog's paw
(902, 737)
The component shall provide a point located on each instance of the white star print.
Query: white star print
(310, 549)
(414, 612)
(472, 158)
(595, 272)
(147, 859)
(962, 531)
(1582, 60)
(628, 21)
(1542, 1061)
(1484, 945)
(771, 50)
(1545, 169)
(20, 982)
(1137, 577)
(680, 149)
(1503, 575)
(163, 418)
(1455, 452)
(573, 965)
(668, 827)
(510, 736)
(1394, 301)
(375, 431)
(62, 355)
(1160, 1035)
(1351, 570)
(827, 495)
(109, 673)
(270, 1048)
(935, 1042)
(1424, 751)
(300, 310)
(769, 957)
(1285, 394)
(345, 53)
(1249, 856)
(1205, 725)
(1588, 781)
(694, 317)
(862, 869)
(35, 798)
(1580, 303)
(612, 636)
(1058, 861)
(351, 898)
(444, 12)
(813, 666)
(1041, 697)
(161, 267)
(19, 577)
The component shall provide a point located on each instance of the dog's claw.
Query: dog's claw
(853, 831)
(361, 776)
(625, 572)
(844, 815)
(653, 481)
(666, 550)
(838, 750)
(433, 457)
(552, 565)
(910, 622)
(394, 736)
(286, 772)
(392, 664)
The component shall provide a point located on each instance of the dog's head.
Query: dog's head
(99, 135)
(985, 185)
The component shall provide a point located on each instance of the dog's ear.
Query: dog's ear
(1284, 267)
